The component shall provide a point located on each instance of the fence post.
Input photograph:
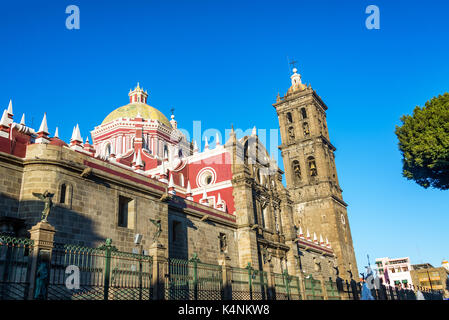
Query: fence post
(287, 283)
(250, 280)
(195, 261)
(158, 253)
(226, 277)
(43, 235)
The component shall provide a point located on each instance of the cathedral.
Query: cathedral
(227, 200)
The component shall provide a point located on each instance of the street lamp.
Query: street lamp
(138, 241)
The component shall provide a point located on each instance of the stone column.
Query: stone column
(323, 287)
(226, 277)
(302, 286)
(42, 234)
(271, 281)
(160, 269)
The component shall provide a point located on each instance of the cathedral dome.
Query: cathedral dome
(133, 109)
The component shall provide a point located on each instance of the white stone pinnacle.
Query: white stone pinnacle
(139, 159)
(219, 198)
(189, 190)
(10, 107)
(171, 184)
(204, 194)
(22, 121)
(195, 146)
(254, 133)
(217, 139)
(44, 128)
(56, 133)
(4, 121)
(76, 135)
(206, 145)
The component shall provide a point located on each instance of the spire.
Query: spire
(217, 139)
(204, 199)
(314, 237)
(56, 133)
(254, 132)
(189, 192)
(195, 147)
(87, 140)
(321, 240)
(4, 121)
(43, 128)
(171, 184)
(139, 163)
(134, 159)
(206, 145)
(76, 135)
(10, 108)
(327, 243)
(308, 235)
(22, 121)
(300, 232)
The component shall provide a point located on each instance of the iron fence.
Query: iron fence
(193, 280)
(104, 274)
(313, 289)
(15, 263)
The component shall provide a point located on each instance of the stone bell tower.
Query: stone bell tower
(311, 176)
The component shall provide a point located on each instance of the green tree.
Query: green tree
(424, 144)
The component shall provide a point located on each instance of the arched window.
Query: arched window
(107, 150)
(62, 194)
(303, 113)
(289, 117)
(312, 167)
(306, 129)
(291, 134)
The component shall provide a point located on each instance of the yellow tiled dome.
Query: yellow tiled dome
(131, 110)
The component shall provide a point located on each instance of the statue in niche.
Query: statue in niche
(266, 255)
(223, 243)
(158, 232)
(317, 265)
(47, 198)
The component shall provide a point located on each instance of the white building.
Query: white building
(398, 271)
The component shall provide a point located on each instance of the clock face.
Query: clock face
(343, 221)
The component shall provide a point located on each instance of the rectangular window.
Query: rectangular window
(176, 228)
(126, 212)
(63, 193)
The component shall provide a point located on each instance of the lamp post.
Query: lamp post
(138, 241)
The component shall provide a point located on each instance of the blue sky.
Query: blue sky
(223, 62)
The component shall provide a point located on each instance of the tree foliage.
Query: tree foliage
(424, 144)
